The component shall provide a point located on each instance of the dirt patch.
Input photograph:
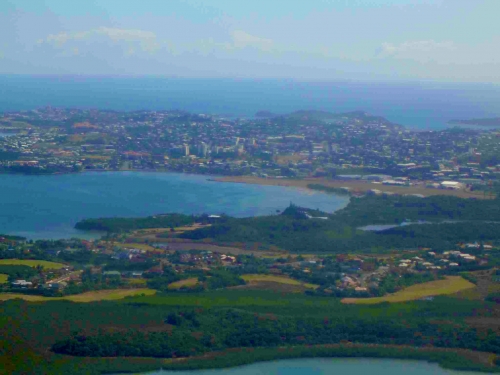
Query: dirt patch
(185, 246)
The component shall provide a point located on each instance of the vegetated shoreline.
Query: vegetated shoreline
(359, 186)
(452, 359)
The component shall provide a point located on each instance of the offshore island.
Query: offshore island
(409, 269)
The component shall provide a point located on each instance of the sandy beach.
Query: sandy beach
(358, 186)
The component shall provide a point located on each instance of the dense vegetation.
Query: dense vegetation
(17, 272)
(293, 231)
(128, 224)
(174, 325)
(332, 190)
(461, 220)
(195, 333)
(216, 278)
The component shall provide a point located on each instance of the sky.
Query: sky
(365, 40)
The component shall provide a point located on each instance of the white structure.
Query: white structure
(451, 185)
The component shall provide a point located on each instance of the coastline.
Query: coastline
(355, 186)
(447, 358)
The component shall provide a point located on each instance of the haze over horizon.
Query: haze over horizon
(384, 40)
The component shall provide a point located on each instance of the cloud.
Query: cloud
(241, 39)
(131, 38)
(410, 47)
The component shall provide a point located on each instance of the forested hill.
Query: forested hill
(397, 209)
(304, 230)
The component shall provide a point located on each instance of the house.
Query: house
(21, 284)
(55, 286)
(454, 185)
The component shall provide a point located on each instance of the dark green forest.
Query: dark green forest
(460, 220)
(176, 325)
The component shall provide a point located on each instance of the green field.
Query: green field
(186, 282)
(100, 295)
(3, 278)
(32, 263)
(323, 320)
(251, 278)
(450, 285)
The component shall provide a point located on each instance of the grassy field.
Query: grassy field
(3, 278)
(32, 263)
(277, 279)
(450, 285)
(187, 282)
(137, 282)
(100, 295)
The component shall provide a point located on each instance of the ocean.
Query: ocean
(417, 105)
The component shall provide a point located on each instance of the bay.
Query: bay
(328, 366)
(47, 207)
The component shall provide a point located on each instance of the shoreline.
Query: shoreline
(447, 358)
(356, 186)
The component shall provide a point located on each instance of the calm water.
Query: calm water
(419, 105)
(49, 206)
(326, 366)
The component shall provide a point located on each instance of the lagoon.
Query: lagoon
(328, 366)
(48, 206)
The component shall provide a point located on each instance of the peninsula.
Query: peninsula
(494, 121)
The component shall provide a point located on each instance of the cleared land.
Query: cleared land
(3, 278)
(188, 245)
(152, 232)
(134, 245)
(137, 282)
(100, 295)
(450, 285)
(277, 279)
(359, 186)
(187, 283)
(32, 263)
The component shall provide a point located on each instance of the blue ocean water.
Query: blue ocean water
(424, 105)
(48, 207)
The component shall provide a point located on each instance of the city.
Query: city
(304, 144)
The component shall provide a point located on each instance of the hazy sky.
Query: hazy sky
(455, 40)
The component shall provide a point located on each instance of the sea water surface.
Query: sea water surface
(328, 366)
(47, 207)
(419, 105)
